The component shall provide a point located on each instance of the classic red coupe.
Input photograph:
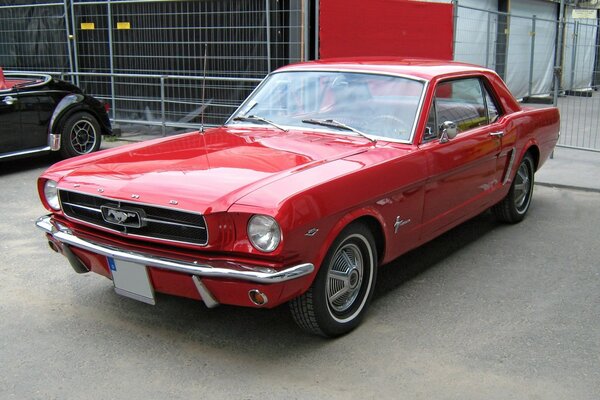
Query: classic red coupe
(327, 171)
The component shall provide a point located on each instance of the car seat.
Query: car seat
(2, 80)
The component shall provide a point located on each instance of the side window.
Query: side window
(466, 102)
(492, 109)
(461, 101)
(431, 130)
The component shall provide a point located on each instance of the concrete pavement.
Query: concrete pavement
(571, 168)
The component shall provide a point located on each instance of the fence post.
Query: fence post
(559, 55)
(574, 53)
(74, 41)
(68, 31)
(268, 27)
(162, 105)
(111, 59)
(317, 24)
(531, 56)
(487, 40)
(454, 24)
(306, 30)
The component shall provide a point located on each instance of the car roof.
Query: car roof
(416, 67)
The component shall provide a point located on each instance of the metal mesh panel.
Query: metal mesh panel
(580, 107)
(167, 41)
(34, 38)
(475, 42)
(522, 49)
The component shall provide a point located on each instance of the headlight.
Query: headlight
(264, 233)
(51, 194)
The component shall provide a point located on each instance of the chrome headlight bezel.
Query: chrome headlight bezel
(264, 233)
(51, 194)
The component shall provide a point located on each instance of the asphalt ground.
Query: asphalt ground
(486, 311)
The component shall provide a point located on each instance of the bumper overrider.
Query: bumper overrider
(204, 275)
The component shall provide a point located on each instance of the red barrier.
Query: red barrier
(385, 28)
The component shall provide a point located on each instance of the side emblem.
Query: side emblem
(400, 222)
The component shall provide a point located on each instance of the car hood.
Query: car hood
(202, 172)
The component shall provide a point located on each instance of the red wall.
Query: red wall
(385, 28)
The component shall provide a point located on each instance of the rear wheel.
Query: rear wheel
(340, 294)
(515, 205)
(81, 134)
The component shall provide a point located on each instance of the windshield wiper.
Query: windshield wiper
(256, 118)
(340, 125)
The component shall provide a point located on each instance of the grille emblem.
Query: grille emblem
(129, 217)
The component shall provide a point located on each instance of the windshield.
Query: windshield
(380, 106)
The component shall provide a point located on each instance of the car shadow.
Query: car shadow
(272, 333)
(24, 164)
(432, 254)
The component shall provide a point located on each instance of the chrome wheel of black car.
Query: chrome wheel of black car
(340, 294)
(516, 203)
(80, 135)
(83, 136)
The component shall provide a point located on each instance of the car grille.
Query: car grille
(156, 222)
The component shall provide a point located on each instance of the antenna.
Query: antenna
(203, 90)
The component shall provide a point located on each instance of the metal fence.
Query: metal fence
(35, 37)
(542, 61)
(148, 58)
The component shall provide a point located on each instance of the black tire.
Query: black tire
(80, 134)
(514, 206)
(338, 298)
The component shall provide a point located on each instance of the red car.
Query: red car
(329, 170)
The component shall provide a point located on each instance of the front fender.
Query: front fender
(341, 223)
(60, 111)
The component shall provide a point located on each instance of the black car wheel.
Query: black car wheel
(340, 294)
(81, 134)
(515, 205)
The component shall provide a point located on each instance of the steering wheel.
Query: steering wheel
(399, 127)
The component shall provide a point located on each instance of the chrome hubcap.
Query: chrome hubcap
(83, 137)
(522, 187)
(345, 278)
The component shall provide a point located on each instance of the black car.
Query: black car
(39, 113)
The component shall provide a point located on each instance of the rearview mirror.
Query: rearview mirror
(449, 131)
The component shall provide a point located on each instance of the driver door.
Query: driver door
(462, 170)
(10, 122)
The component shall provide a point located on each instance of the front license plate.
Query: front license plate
(131, 280)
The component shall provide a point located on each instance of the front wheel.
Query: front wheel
(340, 294)
(80, 134)
(515, 205)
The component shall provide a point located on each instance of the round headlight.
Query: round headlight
(264, 233)
(51, 194)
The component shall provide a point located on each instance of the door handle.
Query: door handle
(9, 100)
(497, 134)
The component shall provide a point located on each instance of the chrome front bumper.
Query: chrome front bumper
(217, 269)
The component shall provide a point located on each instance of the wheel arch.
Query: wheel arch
(368, 217)
(534, 150)
(70, 105)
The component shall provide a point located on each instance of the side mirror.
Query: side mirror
(449, 131)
